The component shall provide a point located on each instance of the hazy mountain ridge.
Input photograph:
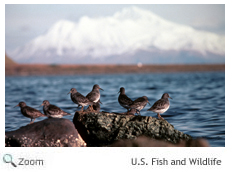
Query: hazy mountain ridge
(8, 61)
(121, 38)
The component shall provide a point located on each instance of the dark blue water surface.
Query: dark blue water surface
(197, 107)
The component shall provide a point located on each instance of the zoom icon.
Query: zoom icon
(7, 158)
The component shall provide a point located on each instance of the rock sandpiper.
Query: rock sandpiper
(29, 111)
(52, 110)
(161, 106)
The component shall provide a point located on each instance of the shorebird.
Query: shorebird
(29, 112)
(124, 100)
(52, 110)
(94, 95)
(161, 106)
(79, 99)
(139, 104)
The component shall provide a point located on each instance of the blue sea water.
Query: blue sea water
(197, 107)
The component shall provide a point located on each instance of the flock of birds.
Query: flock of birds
(92, 100)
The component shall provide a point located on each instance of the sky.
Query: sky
(25, 22)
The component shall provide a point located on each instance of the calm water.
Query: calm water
(197, 107)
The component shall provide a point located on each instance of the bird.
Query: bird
(29, 111)
(79, 99)
(139, 104)
(124, 100)
(94, 95)
(53, 111)
(161, 105)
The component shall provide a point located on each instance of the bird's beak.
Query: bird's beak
(148, 102)
(69, 92)
(16, 105)
(170, 97)
(41, 105)
(101, 89)
(118, 92)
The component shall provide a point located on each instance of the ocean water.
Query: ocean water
(197, 107)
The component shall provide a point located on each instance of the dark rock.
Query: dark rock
(51, 132)
(101, 129)
(143, 141)
(131, 112)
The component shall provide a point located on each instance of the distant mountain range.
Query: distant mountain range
(9, 61)
(132, 35)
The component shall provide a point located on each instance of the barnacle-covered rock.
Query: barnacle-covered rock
(51, 132)
(102, 129)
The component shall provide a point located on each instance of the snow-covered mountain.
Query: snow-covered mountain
(129, 36)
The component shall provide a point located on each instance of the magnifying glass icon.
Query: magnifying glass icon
(7, 158)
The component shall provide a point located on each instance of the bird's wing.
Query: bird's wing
(52, 109)
(139, 101)
(160, 104)
(124, 99)
(83, 99)
(92, 96)
(33, 112)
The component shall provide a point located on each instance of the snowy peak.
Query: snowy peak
(61, 27)
(133, 13)
(125, 33)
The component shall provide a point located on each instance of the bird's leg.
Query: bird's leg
(82, 109)
(78, 107)
(138, 112)
(88, 108)
(159, 116)
(32, 121)
(128, 111)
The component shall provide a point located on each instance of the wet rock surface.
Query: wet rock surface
(102, 129)
(51, 132)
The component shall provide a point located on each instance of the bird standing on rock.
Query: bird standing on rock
(139, 104)
(29, 111)
(161, 106)
(124, 100)
(52, 110)
(79, 99)
(94, 95)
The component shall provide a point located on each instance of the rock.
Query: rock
(102, 129)
(51, 132)
(143, 141)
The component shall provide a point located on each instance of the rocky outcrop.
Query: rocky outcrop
(102, 129)
(51, 132)
(144, 141)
